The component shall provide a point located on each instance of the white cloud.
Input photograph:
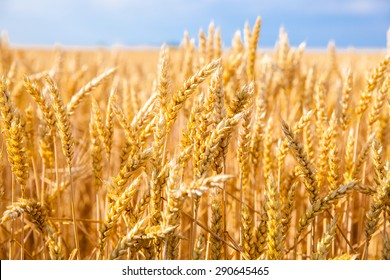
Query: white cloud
(111, 4)
(363, 7)
(322, 7)
(38, 6)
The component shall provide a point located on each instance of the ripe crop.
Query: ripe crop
(195, 152)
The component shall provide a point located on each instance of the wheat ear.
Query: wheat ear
(180, 96)
(65, 130)
(87, 89)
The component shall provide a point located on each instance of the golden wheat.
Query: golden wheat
(183, 153)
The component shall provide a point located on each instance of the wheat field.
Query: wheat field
(199, 152)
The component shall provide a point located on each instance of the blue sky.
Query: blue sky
(359, 23)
